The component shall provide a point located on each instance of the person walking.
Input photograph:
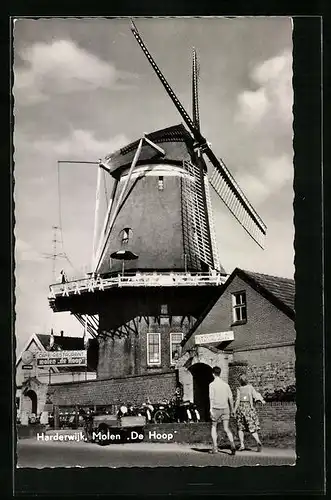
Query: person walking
(221, 406)
(245, 412)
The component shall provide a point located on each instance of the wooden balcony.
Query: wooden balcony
(92, 284)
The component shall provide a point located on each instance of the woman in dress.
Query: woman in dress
(245, 413)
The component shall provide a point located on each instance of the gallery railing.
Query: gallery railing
(92, 284)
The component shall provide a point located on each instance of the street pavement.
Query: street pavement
(39, 454)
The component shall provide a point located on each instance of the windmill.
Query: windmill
(221, 179)
(160, 212)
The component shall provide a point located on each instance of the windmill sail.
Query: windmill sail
(217, 264)
(195, 92)
(196, 231)
(231, 194)
(164, 82)
(222, 181)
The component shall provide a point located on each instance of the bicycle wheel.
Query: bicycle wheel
(160, 417)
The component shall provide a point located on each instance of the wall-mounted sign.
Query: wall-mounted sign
(61, 358)
(214, 338)
(27, 367)
(27, 357)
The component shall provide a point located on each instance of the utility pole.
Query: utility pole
(55, 254)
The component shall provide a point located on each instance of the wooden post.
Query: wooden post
(96, 214)
(76, 417)
(56, 417)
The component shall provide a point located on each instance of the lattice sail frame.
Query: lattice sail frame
(235, 200)
(217, 264)
(198, 228)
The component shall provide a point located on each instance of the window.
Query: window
(153, 349)
(239, 307)
(161, 183)
(125, 235)
(164, 310)
(175, 347)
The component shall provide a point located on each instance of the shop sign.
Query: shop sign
(214, 338)
(61, 358)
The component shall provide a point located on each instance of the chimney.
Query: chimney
(61, 333)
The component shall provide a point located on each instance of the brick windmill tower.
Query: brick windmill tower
(155, 265)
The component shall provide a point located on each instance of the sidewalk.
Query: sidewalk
(196, 448)
(175, 447)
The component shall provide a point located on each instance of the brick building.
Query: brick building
(137, 366)
(32, 382)
(164, 352)
(257, 310)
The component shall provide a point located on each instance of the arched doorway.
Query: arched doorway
(33, 398)
(202, 376)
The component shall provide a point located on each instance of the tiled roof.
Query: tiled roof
(283, 289)
(279, 291)
(65, 343)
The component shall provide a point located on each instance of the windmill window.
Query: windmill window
(153, 349)
(125, 235)
(175, 346)
(161, 183)
(239, 308)
(164, 310)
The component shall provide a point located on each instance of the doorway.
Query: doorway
(202, 376)
(33, 401)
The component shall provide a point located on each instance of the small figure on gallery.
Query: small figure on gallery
(63, 277)
(245, 412)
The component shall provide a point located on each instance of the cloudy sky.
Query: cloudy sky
(83, 88)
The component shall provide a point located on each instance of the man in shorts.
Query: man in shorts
(221, 406)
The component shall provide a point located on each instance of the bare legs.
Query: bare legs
(214, 435)
(228, 432)
(241, 439)
(255, 436)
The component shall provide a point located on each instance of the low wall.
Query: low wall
(276, 420)
(134, 389)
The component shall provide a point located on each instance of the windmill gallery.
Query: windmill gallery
(159, 307)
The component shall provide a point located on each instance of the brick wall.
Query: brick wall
(133, 389)
(277, 421)
(277, 418)
(128, 356)
(267, 369)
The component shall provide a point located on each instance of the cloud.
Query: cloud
(266, 114)
(25, 252)
(273, 98)
(271, 175)
(62, 68)
(80, 145)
